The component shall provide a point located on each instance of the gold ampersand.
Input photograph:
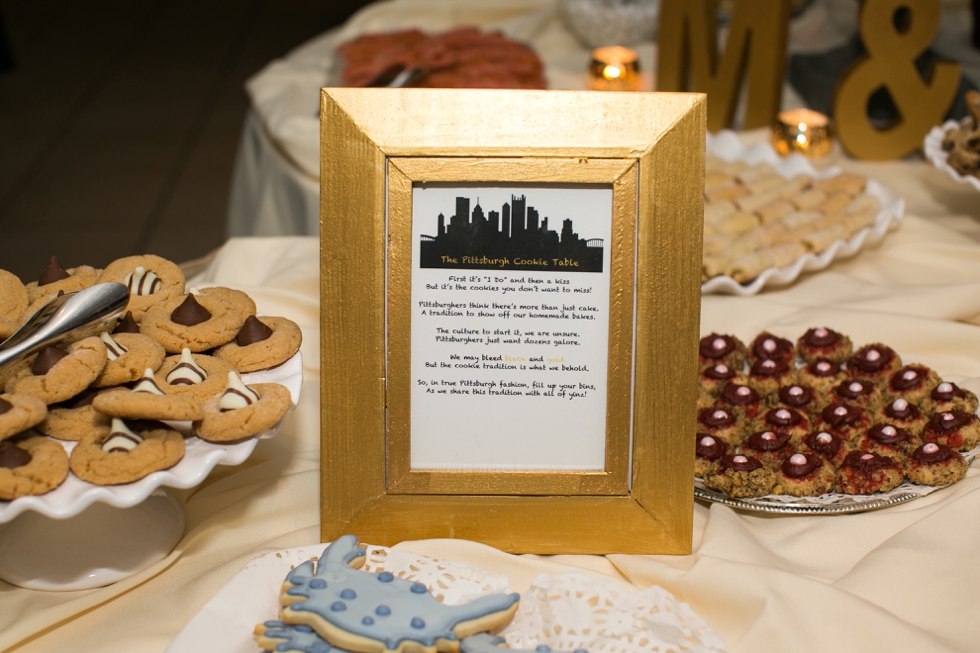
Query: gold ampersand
(890, 62)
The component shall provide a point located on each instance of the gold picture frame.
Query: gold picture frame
(649, 148)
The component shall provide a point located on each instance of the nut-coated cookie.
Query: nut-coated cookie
(128, 452)
(194, 322)
(13, 303)
(54, 278)
(128, 356)
(30, 464)
(194, 375)
(150, 279)
(19, 413)
(67, 377)
(249, 354)
(242, 411)
(148, 401)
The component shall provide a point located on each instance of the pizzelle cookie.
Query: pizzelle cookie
(150, 279)
(128, 355)
(55, 279)
(56, 374)
(73, 419)
(242, 411)
(379, 613)
(147, 401)
(30, 464)
(194, 375)
(128, 452)
(262, 342)
(13, 303)
(194, 322)
(19, 413)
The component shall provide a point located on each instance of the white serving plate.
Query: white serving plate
(75, 495)
(726, 145)
(932, 146)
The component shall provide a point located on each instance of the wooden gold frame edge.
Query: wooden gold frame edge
(657, 515)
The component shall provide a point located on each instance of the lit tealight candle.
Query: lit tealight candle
(803, 131)
(614, 68)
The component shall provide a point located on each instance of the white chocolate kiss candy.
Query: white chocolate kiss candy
(187, 371)
(797, 459)
(148, 384)
(932, 447)
(237, 394)
(142, 282)
(824, 438)
(120, 438)
(113, 349)
(945, 387)
(719, 344)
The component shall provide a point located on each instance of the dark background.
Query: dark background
(119, 121)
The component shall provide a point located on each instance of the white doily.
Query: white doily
(573, 611)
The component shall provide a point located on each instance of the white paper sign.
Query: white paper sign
(510, 326)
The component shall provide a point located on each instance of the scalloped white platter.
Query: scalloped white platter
(200, 457)
(726, 145)
(932, 146)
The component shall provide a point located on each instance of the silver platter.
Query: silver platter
(849, 505)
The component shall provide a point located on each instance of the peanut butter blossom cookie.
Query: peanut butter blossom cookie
(127, 356)
(75, 418)
(56, 374)
(148, 401)
(368, 613)
(30, 464)
(128, 452)
(242, 411)
(19, 413)
(190, 322)
(196, 376)
(13, 303)
(55, 279)
(150, 280)
(262, 342)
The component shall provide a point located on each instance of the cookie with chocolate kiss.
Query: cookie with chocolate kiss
(55, 279)
(804, 474)
(56, 374)
(13, 303)
(19, 413)
(935, 464)
(131, 450)
(150, 279)
(193, 322)
(30, 465)
(822, 342)
(263, 342)
(717, 348)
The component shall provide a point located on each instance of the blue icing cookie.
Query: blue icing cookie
(487, 643)
(283, 638)
(370, 613)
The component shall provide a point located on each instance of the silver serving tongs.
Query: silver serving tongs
(69, 317)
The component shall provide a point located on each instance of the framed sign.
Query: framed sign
(510, 294)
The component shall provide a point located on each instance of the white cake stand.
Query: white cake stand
(81, 536)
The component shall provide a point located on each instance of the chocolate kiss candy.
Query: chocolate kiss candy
(52, 273)
(47, 359)
(5, 406)
(12, 456)
(127, 324)
(190, 313)
(252, 331)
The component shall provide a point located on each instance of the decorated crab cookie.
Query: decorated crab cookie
(368, 613)
(148, 401)
(192, 322)
(127, 453)
(128, 355)
(19, 413)
(13, 303)
(487, 643)
(194, 375)
(150, 279)
(262, 342)
(242, 411)
(30, 464)
(74, 419)
(56, 374)
(279, 636)
(55, 279)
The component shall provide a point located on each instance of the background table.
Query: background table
(901, 579)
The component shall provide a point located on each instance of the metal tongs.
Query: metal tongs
(72, 316)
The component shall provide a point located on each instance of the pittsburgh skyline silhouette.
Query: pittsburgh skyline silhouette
(514, 238)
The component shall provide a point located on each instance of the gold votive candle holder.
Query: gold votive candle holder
(614, 68)
(802, 131)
